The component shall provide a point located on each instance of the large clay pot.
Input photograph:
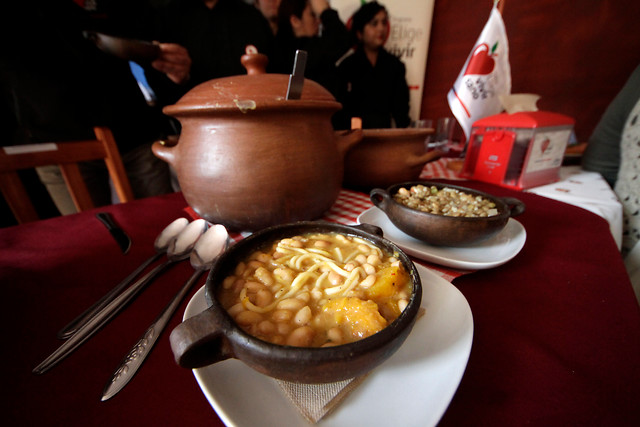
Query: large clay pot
(387, 156)
(248, 158)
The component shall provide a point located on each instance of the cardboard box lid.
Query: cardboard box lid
(525, 119)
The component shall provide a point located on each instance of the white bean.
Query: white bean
(285, 274)
(248, 318)
(369, 269)
(334, 278)
(263, 298)
(292, 243)
(335, 335)
(290, 304)
(283, 328)
(254, 265)
(254, 286)
(301, 337)
(238, 285)
(235, 309)
(316, 294)
(304, 296)
(374, 259)
(267, 327)
(303, 316)
(282, 315)
(228, 282)
(364, 248)
(264, 276)
(263, 258)
(240, 268)
(368, 282)
(321, 244)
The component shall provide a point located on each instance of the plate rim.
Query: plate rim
(450, 261)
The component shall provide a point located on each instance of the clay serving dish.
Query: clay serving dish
(213, 336)
(444, 230)
(387, 156)
(249, 158)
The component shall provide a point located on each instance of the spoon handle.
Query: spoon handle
(83, 318)
(99, 320)
(134, 359)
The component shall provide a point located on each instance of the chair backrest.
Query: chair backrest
(66, 155)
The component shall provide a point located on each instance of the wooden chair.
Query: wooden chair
(66, 155)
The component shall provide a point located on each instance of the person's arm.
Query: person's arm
(174, 62)
(335, 39)
(603, 149)
(400, 102)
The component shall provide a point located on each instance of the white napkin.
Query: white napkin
(589, 191)
(518, 102)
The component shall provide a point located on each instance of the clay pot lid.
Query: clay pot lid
(252, 92)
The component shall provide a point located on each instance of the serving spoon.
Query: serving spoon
(206, 251)
(179, 249)
(160, 245)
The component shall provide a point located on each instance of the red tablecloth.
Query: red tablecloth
(557, 329)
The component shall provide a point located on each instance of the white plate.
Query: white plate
(427, 369)
(487, 254)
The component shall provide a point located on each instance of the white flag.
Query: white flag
(485, 76)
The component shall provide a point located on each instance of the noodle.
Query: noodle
(319, 283)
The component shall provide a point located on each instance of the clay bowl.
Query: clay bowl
(441, 230)
(213, 336)
(386, 156)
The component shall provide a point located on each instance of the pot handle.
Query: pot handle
(427, 157)
(164, 149)
(347, 139)
(380, 198)
(254, 62)
(370, 228)
(516, 206)
(200, 341)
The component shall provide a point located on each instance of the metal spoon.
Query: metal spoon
(296, 79)
(179, 249)
(204, 254)
(161, 244)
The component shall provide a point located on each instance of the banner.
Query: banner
(485, 76)
(410, 29)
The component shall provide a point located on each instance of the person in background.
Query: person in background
(214, 33)
(371, 82)
(299, 23)
(602, 153)
(614, 151)
(59, 85)
(269, 9)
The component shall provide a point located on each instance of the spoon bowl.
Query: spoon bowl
(169, 234)
(181, 246)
